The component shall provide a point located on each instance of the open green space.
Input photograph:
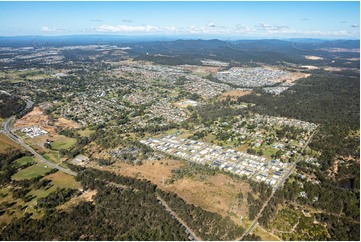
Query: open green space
(24, 160)
(18, 206)
(63, 180)
(269, 152)
(86, 132)
(63, 144)
(52, 156)
(31, 172)
(58, 180)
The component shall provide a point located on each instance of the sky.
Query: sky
(337, 20)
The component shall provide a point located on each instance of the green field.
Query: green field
(85, 132)
(63, 144)
(52, 156)
(63, 180)
(58, 180)
(268, 152)
(31, 172)
(24, 160)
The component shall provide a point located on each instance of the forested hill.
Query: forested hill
(10, 105)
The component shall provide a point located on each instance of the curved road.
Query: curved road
(8, 132)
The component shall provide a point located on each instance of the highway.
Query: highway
(280, 184)
(8, 132)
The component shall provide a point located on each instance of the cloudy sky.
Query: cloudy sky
(216, 19)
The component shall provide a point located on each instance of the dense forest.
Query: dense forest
(123, 208)
(10, 105)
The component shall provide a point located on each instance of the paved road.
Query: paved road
(280, 184)
(8, 132)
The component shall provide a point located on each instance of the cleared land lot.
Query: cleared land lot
(38, 118)
(86, 132)
(234, 94)
(63, 144)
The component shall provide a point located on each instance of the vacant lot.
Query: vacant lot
(216, 193)
(52, 156)
(292, 77)
(65, 123)
(31, 172)
(63, 180)
(38, 118)
(35, 118)
(86, 132)
(63, 144)
(312, 57)
(234, 94)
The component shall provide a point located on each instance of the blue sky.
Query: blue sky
(216, 19)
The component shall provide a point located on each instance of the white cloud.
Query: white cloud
(50, 29)
(263, 29)
(268, 27)
(326, 33)
(126, 28)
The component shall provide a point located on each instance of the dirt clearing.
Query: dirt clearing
(312, 57)
(234, 94)
(38, 118)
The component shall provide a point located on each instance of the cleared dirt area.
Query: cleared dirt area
(234, 94)
(292, 77)
(202, 70)
(38, 118)
(216, 193)
(151, 170)
(311, 67)
(312, 57)
(330, 68)
(65, 123)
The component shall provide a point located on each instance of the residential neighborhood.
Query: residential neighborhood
(240, 163)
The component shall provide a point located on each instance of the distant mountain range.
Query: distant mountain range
(169, 41)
